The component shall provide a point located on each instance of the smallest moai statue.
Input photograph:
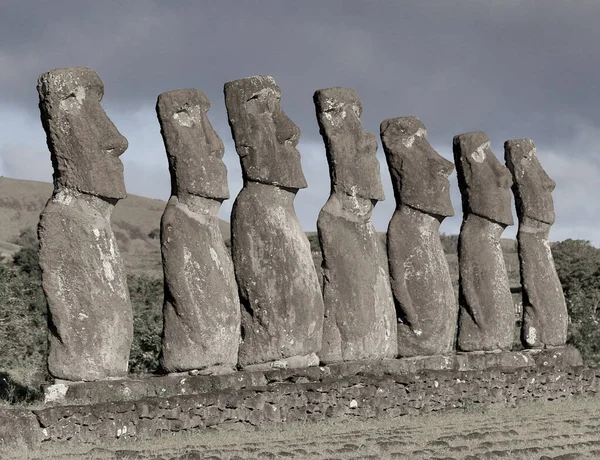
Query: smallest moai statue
(360, 318)
(201, 311)
(545, 316)
(487, 312)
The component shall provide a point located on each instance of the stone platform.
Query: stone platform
(95, 411)
(185, 384)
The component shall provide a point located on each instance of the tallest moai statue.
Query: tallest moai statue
(282, 307)
(90, 316)
(360, 318)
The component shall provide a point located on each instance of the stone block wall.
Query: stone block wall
(296, 398)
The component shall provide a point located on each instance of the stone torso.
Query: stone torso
(282, 314)
(356, 289)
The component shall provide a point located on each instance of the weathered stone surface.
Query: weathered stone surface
(90, 316)
(260, 377)
(265, 138)
(19, 427)
(545, 316)
(84, 142)
(201, 326)
(425, 301)
(360, 318)
(487, 312)
(194, 150)
(282, 306)
(201, 311)
(366, 390)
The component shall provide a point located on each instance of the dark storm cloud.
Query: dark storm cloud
(512, 68)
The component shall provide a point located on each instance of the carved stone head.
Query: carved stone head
(194, 149)
(84, 144)
(265, 138)
(531, 185)
(351, 151)
(419, 174)
(484, 182)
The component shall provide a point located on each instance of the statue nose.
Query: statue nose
(287, 130)
(117, 144)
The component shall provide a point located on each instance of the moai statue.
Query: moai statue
(360, 317)
(282, 306)
(545, 314)
(425, 300)
(201, 312)
(487, 313)
(90, 315)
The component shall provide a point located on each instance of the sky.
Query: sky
(511, 68)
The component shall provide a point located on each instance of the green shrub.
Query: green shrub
(449, 243)
(146, 298)
(23, 329)
(578, 267)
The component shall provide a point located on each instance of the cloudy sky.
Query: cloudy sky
(512, 68)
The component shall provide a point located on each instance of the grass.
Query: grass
(527, 431)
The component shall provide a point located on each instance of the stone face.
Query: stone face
(194, 150)
(545, 316)
(282, 306)
(426, 305)
(84, 142)
(201, 311)
(353, 166)
(484, 181)
(360, 318)
(265, 138)
(487, 312)
(90, 316)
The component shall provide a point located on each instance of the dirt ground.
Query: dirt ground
(568, 429)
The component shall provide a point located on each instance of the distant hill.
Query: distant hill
(134, 222)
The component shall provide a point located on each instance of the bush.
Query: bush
(449, 243)
(146, 298)
(23, 330)
(23, 317)
(578, 267)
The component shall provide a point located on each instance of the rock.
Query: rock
(295, 362)
(487, 313)
(201, 311)
(19, 428)
(282, 306)
(426, 304)
(360, 317)
(90, 315)
(545, 316)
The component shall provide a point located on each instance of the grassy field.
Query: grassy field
(567, 429)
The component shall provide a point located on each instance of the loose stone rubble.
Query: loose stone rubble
(360, 319)
(201, 328)
(282, 306)
(90, 316)
(545, 316)
(425, 299)
(487, 312)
